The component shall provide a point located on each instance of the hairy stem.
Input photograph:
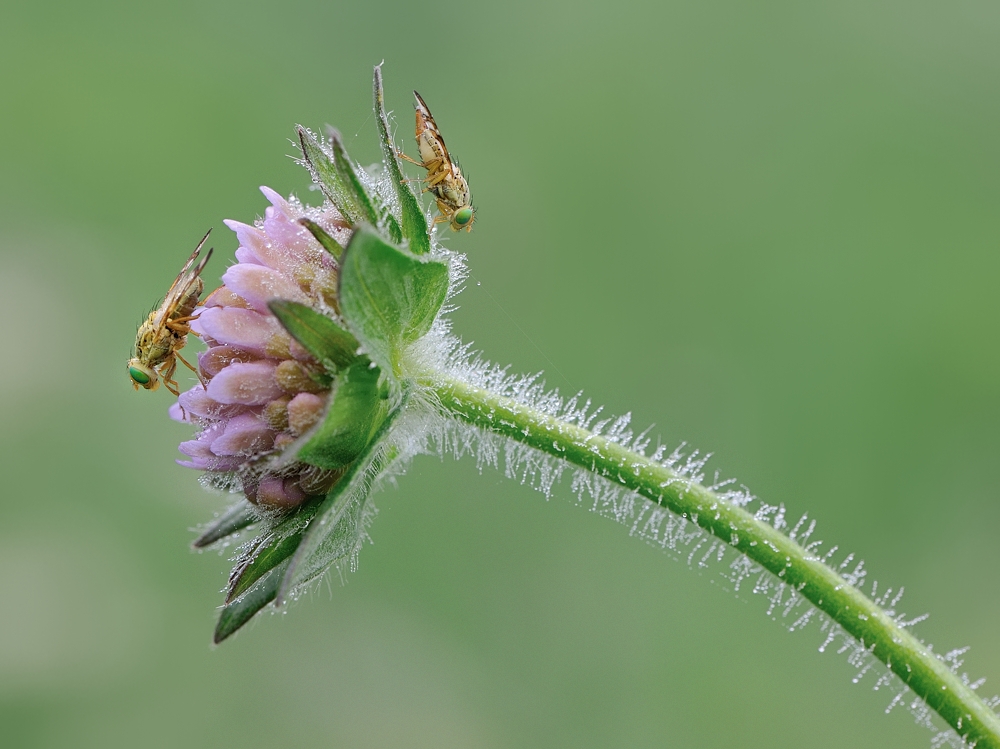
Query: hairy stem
(922, 671)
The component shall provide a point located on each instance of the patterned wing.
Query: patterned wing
(425, 121)
(182, 284)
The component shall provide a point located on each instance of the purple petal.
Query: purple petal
(279, 493)
(281, 222)
(277, 200)
(243, 255)
(201, 447)
(245, 435)
(261, 248)
(251, 384)
(258, 285)
(217, 358)
(296, 240)
(242, 328)
(196, 449)
(252, 239)
(196, 401)
(304, 410)
(212, 464)
(223, 297)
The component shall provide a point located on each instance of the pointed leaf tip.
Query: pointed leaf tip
(414, 226)
(361, 203)
(271, 549)
(329, 244)
(238, 613)
(325, 174)
(233, 520)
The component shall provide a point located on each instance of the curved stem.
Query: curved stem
(922, 671)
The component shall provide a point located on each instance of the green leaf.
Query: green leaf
(238, 613)
(270, 550)
(337, 531)
(357, 409)
(361, 204)
(414, 219)
(389, 221)
(388, 296)
(337, 176)
(325, 174)
(236, 518)
(330, 244)
(332, 346)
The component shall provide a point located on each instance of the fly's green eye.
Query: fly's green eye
(463, 216)
(138, 375)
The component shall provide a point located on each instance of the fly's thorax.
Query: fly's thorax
(154, 344)
(453, 192)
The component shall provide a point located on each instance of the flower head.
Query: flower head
(262, 389)
(310, 366)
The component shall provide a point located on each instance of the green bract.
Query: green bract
(358, 407)
(414, 220)
(321, 336)
(389, 297)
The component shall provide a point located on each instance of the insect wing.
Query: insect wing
(182, 284)
(425, 118)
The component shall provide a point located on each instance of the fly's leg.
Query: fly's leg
(193, 369)
(179, 325)
(185, 362)
(438, 177)
(168, 376)
(447, 211)
(404, 157)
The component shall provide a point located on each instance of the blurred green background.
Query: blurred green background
(770, 228)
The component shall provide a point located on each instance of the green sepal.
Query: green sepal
(332, 346)
(330, 244)
(326, 175)
(270, 550)
(238, 613)
(414, 219)
(357, 409)
(361, 209)
(233, 520)
(337, 176)
(389, 297)
(337, 531)
(371, 208)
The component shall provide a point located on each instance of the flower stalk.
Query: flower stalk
(921, 670)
